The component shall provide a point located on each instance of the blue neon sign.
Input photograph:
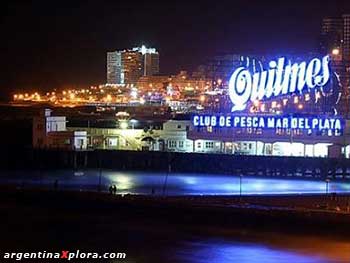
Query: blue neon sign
(281, 78)
(268, 122)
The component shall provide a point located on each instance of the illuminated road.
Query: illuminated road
(174, 183)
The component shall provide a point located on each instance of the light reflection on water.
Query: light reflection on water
(237, 252)
(223, 251)
(220, 252)
(176, 184)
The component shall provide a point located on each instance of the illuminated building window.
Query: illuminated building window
(172, 144)
(209, 145)
(307, 97)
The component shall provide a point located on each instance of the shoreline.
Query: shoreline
(226, 213)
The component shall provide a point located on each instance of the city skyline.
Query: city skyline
(127, 66)
(51, 48)
(175, 131)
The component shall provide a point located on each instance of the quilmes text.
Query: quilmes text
(280, 78)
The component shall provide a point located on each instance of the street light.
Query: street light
(335, 51)
(327, 185)
(240, 187)
(133, 122)
(167, 174)
(99, 188)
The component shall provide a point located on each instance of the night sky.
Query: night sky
(48, 44)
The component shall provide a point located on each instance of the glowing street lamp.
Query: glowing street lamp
(123, 125)
(335, 51)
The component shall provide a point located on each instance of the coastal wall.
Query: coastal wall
(318, 168)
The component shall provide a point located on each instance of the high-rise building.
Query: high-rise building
(127, 66)
(150, 60)
(331, 34)
(113, 67)
(124, 67)
(131, 67)
(346, 38)
(335, 41)
(151, 64)
(335, 37)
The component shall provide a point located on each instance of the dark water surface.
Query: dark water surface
(270, 248)
(298, 250)
(150, 242)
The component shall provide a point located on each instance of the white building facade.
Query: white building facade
(51, 132)
(182, 136)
